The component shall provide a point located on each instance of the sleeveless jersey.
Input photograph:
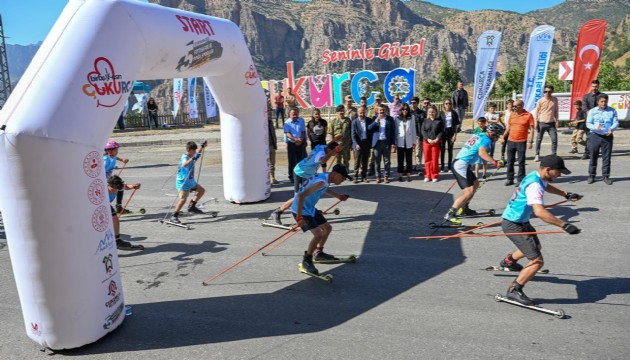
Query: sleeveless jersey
(308, 167)
(311, 200)
(518, 210)
(470, 151)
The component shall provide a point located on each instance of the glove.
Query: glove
(204, 144)
(196, 156)
(338, 148)
(572, 196)
(499, 164)
(571, 229)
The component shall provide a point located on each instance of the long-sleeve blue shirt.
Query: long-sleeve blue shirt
(607, 118)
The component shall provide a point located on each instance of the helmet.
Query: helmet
(495, 128)
(111, 145)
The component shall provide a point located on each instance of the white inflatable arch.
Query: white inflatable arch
(53, 128)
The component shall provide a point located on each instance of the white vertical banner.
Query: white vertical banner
(141, 102)
(485, 69)
(211, 105)
(178, 85)
(192, 98)
(538, 54)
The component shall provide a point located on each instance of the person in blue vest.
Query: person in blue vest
(478, 146)
(304, 170)
(114, 185)
(528, 200)
(310, 218)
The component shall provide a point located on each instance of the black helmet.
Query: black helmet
(495, 128)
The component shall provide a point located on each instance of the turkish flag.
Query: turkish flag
(587, 57)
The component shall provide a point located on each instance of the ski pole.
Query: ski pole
(122, 168)
(126, 203)
(288, 237)
(442, 198)
(471, 230)
(488, 178)
(495, 234)
(207, 282)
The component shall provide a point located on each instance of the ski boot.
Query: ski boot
(450, 217)
(515, 293)
(275, 217)
(175, 219)
(194, 209)
(466, 211)
(510, 263)
(307, 264)
(119, 210)
(322, 257)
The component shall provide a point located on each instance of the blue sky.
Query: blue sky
(28, 21)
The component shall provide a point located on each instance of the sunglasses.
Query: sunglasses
(548, 92)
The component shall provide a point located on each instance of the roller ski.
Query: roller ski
(559, 313)
(307, 267)
(267, 223)
(193, 209)
(450, 225)
(320, 257)
(141, 211)
(127, 246)
(174, 221)
(466, 212)
(507, 269)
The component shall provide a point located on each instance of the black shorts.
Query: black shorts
(529, 245)
(114, 213)
(463, 174)
(312, 222)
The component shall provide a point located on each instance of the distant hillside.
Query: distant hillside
(18, 57)
(571, 14)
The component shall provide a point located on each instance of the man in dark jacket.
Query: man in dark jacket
(383, 142)
(460, 102)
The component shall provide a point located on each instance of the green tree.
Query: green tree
(432, 89)
(448, 77)
(510, 81)
(610, 77)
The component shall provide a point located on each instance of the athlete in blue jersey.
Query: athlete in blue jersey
(478, 146)
(304, 170)
(109, 159)
(185, 182)
(114, 185)
(309, 218)
(528, 200)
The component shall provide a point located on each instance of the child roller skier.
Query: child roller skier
(478, 146)
(110, 158)
(304, 170)
(528, 199)
(114, 186)
(185, 182)
(308, 217)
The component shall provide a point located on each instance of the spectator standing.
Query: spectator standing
(373, 113)
(449, 135)
(153, 112)
(121, 122)
(506, 117)
(279, 102)
(340, 130)
(418, 115)
(289, 100)
(432, 130)
(361, 144)
(383, 142)
(547, 120)
(521, 136)
(481, 128)
(460, 101)
(351, 111)
(580, 128)
(295, 134)
(394, 108)
(273, 145)
(493, 117)
(589, 101)
(602, 121)
(317, 128)
(405, 141)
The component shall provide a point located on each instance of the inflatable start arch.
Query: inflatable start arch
(53, 195)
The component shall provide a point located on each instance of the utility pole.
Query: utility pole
(5, 81)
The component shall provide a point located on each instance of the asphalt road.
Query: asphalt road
(403, 299)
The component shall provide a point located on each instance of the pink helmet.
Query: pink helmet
(111, 145)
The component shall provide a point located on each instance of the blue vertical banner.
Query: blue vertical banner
(538, 54)
(211, 105)
(485, 69)
(178, 86)
(192, 98)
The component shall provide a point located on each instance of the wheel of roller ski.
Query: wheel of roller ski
(336, 211)
(214, 214)
(480, 223)
(497, 298)
(559, 314)
(142, 211)
(328, 278)
(491, 212)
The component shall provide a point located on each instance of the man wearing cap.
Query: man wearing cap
(351, 111)
(602, 121)
(340, 130)
(528, 200)
(308, 217)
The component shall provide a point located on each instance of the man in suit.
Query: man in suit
(383, 142)
(361, 144)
